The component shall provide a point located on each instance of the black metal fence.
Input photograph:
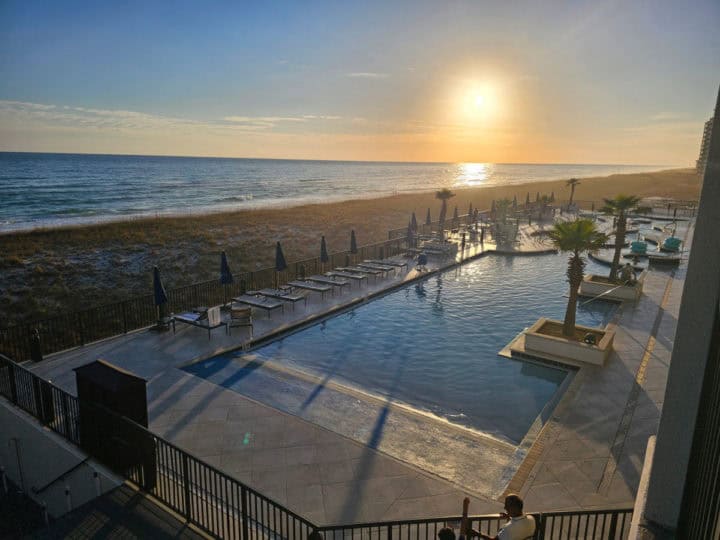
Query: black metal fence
(75, 329)
(595, 524)
(227, 508)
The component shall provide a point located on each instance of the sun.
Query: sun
(479, 101)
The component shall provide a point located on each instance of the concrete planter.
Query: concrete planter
(593, 286)
(562, 349)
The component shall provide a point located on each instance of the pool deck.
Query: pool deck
(589, 455)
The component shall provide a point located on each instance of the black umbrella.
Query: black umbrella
(353, 242)
(226, 277)
(515, 202)
(470, 210)
(552, 196)
(443, 213)
(428, 221)
(280, 263)
(527, 200)
(455, 219)
(410, 236)
(159, 293)
(413, 222)
(323, 253)
(158, 289)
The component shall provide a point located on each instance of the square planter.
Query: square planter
(561, 349)
(594, 286)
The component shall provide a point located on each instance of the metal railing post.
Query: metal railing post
(124, 317)
(80, 329)
(243, 513)
(389, 532)
(613, 525)
(186, 485)
(12, 382)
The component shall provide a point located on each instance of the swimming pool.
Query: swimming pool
(432, 346)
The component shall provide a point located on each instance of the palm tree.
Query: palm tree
(575, 237)
(444, 194)
(572, 183)
(619, 207)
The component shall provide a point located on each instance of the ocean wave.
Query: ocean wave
(236, 198)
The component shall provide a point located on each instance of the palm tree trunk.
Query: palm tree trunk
(575, 276)
(619, 241)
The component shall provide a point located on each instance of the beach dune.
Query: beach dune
(65, 269)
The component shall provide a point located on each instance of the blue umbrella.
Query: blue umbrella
(160, 296)
(353, 242)
(226, 277)
(323, 253)
(158, 289)
(280, 263)
(413, 222)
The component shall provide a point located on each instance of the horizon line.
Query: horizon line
(672, 166)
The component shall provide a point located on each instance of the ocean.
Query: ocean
(50, 190)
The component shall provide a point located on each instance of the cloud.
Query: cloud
(68, 117)
(367, 75)
(666, 116)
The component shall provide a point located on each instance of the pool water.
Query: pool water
(432, 346)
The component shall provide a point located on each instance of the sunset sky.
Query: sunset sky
(507, 81)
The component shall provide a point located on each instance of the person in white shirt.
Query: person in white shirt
(519, 525)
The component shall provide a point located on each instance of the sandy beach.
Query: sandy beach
(72, 268)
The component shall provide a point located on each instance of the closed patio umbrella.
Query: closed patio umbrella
(455, 219)
(226, 277)
(515, 202)
(413, 222)
(527, 200)
(410, 236)
(428, 221)
(323, 253)
(280, 264)
(441, 219)
(159, 294)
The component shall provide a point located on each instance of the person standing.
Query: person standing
(519, 526)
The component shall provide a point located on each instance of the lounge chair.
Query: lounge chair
(209, 320)
(286, 296)
(262, 302)
(241, 316)
(310, 286)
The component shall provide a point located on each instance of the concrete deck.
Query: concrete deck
(589, 455)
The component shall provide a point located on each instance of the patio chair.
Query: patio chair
(241, 316)
(210, 320)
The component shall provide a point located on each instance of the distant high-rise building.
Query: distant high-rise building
(704, 147)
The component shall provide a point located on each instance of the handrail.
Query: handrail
(38, 491)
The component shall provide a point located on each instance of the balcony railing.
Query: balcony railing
(225, 507)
